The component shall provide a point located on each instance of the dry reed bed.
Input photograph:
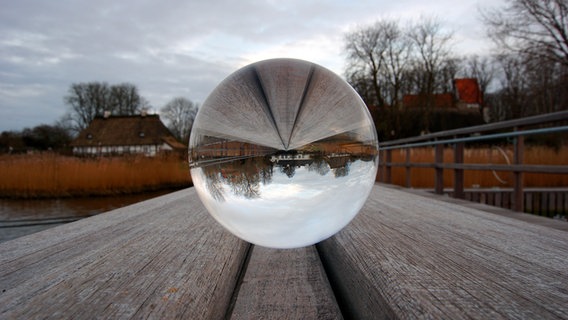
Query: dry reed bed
(51, 175)
(424, 177)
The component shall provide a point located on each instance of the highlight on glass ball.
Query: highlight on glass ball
(283, 153)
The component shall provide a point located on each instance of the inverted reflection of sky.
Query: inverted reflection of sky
(292, 212)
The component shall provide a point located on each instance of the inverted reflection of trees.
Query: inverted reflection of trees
(341, 171)
(244, 177)
(288, 169)
(215, 186)
(245, 185)
(319, 166)
(266, 174)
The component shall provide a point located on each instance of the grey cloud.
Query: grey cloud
(167, 49)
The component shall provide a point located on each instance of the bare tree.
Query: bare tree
(432, 53)
(366, 50)
(515, 85)
(377, 58)
(528, 87)
(398, 53)
(532, 38)
(180, 113)
(87, 100)
(434, 66)
(382, 57)
(482, 69)
(447, 73)
(361, 83)
(386, 61)
(537, 28)
(46, 137)
(125, 100)
(92, 99)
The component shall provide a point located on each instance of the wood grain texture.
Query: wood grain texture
(285, 284)
(408, 256)
(403, 256)
(162, 258)
(527, 217)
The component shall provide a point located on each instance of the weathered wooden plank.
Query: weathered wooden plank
(285, 284)
(530, 218)
(162, 258)
(408, 256)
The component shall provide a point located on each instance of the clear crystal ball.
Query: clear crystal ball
(283, 153)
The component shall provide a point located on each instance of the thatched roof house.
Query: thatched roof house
(116, 135)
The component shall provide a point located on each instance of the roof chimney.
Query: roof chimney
(106, 114)
(144, 112)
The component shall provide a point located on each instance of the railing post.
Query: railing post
(381, 174)
(439, 175)
(519, 195)
(388, 177)
(458, 173)
(408, 169)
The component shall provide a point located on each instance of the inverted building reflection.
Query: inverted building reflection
(245, 169)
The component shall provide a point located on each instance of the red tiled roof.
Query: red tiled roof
(467, 90)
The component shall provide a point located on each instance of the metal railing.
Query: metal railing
(516, 129)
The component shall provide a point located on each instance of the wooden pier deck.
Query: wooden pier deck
(406, 255)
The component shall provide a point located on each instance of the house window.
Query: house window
(141, 134)
(89, 136)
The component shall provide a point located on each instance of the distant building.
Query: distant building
(466, 96)
(119, 135)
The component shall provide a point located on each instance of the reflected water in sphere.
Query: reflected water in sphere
(283, 153)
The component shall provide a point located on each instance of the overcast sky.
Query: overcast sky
(183, 48)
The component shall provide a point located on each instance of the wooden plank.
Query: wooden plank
(285, 284)
(162, 258)
(527, 168)
(408, 171)
(388, 177)
(490, 198)
(408, 256)
(507, 200)
(529, 202)
(498, 199)
(551, 202)
(483, 198)
(518, 193)
(458, 173)
(526, 217)
(439, 172)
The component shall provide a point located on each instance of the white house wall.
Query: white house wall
(148, 150)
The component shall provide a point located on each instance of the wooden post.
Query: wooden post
(388, 178)
(439, 174)
(458, 173)
(518, 175)
(381, 171)
(408, 169)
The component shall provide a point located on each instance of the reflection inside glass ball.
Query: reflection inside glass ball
(283, 153)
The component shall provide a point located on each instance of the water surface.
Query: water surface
(22, 217)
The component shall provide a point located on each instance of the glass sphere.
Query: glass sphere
(283, 153)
